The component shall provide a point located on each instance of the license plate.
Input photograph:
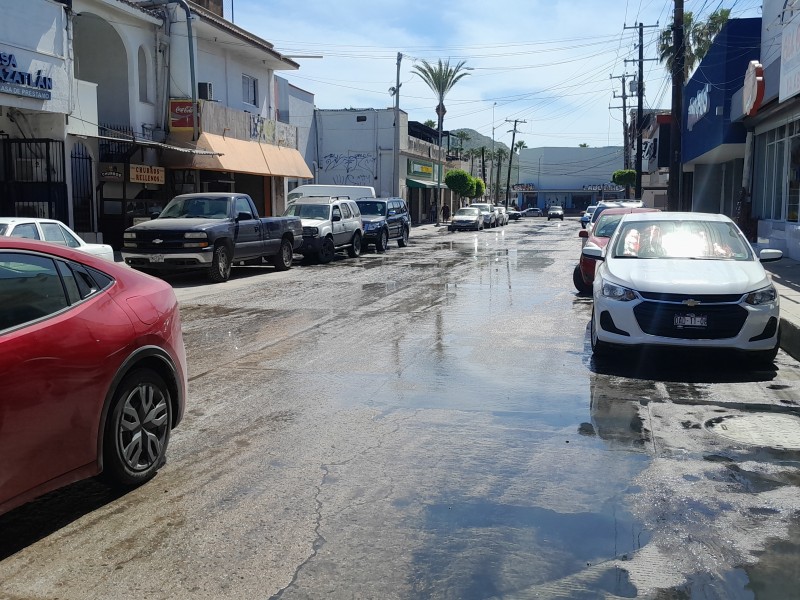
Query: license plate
(690, 320)
(156, 258)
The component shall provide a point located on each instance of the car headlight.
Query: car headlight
(195, 235)
(762, 296)
(311, 231)
(617, 292)
(129, 235)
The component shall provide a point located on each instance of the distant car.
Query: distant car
(532, 212)
(489, 214)
(514, 214)
(606, 204)
(583, 274)
(503, 217)
(469, 217)
(50, 230)
(93, 370)
(384, 219)
(555, 212)
(683, 280)
(587, 215)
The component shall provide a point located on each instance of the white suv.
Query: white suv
(330, 223)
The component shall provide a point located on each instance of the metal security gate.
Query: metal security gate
(32, 180)
(84, 216)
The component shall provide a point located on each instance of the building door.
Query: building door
(32, 179)
(84, 217)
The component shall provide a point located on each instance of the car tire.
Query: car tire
(137, 429)
(599, 348)
(282, 261)
(326, 251)
(403, 241)
(766, 358)
(220, 270)
(578, 282)
(383, 241)
(354, 251)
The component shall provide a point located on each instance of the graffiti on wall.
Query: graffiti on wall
(356, 168)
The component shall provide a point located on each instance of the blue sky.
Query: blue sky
(546, 62)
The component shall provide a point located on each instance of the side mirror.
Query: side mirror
(592, 251)
(154, 215)
(583, 233)
(392, 212)
(336, 218)
(244, 216)
(770, 255)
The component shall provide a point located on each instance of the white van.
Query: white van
(353, 191)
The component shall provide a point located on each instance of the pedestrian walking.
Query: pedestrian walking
(446, 213)
(432, 214)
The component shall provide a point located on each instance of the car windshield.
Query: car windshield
(372, 208)
(590, 210)
(314, 212)
(196, 208)
(3, 228)
(606, 225)
(700, 240)
(467, 212)
(483, 207)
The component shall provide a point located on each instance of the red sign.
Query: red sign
(181, 115)
(753, 88)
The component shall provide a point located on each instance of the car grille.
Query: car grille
(702, 298)
(146, 240)
(658, 318)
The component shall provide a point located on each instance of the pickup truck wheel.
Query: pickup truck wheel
(220, 265)
(283, 259)
(354, 251)
(383, 241)
(327, 251)
(403, 241)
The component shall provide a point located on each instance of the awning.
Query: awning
(241, 156)
(422, 183)
(145, 142)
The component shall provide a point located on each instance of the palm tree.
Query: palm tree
(430, 123)
(499, 155)
(440, 78)
(698, 37)
(517, 149)
(461, 136)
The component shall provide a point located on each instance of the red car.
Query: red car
(92, 368)
(606, 224)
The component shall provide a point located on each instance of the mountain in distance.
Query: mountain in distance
(476, 140)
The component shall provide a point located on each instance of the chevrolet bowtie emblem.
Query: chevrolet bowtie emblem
(691, 303)
(158, 241)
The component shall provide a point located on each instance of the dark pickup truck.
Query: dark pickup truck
(211, 231)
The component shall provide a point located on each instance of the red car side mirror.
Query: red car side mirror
(583, 233)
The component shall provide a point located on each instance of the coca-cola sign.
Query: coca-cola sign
(181, 115)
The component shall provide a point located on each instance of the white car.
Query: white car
(676, 279)
(50, 230)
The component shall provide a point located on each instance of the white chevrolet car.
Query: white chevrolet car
(675, 279)
(50, 230)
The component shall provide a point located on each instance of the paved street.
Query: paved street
(429, 423)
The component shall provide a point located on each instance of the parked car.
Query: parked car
(583, 274)
(354, 192)
(384, 219)
(50, 230)
(211, 232)
(469, 217)
(502, 215)
(555, 212)
(489, 214)
(532, 212)
(93, 367)
(514, 214)
(675, 279)
(587, 215)
(329, 224)
(606, 204)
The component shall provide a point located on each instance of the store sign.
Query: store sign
(112, 172)
(181, 115)
(604, 187)
(698, 106)
(147, 174)
(753, 89)
(22, 83)
(421, 169)
(790, 59)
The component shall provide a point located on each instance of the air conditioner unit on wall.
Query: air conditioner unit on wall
(205, 90)
(30, 169)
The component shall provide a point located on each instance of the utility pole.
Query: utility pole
(491, 191)
(640, 107)
(396, 169)
(511, 158)
(674, 196)
(625, 141)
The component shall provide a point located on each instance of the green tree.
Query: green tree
(430, 123)
(480, 188)
(459, 181)
(698, 37)
(500, 155)
(440, 78)
(461, 136)
(583, 145)
(624, 177)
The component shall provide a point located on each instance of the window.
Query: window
(26, 230)
(243, 206)
(144, 89)
(249, 90)
(52, 233)
(72, 242)
(30, 289)
(336, 214)
(346, 211)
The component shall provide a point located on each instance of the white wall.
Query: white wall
(569, 168)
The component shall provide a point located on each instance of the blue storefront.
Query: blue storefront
(713, 147)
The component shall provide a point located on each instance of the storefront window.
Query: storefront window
(780, 177)
(759, 177)
(793, 202)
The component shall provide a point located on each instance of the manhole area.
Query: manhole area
(770, 431)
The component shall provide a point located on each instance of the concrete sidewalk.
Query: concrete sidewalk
(786, 277)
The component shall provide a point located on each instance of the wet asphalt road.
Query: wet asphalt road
(429, 423)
